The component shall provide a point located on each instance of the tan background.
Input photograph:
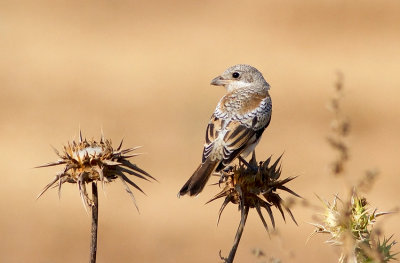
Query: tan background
(141, 71)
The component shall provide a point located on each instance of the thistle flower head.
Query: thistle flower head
(88, 161)
(255, 186)
(350, 226)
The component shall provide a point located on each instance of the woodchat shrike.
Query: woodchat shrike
(236, 125)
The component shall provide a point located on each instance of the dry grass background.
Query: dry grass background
(141, 70)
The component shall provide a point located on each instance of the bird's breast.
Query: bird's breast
(252, 109)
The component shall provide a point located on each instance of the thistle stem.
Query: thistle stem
(95, 220)
(239, 233)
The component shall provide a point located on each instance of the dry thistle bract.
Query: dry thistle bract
(88, 161)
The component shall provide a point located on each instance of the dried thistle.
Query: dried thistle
(350, 226)
(89, 161)
(253, 186)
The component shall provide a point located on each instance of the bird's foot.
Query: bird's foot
(228, 169)
(222, 179)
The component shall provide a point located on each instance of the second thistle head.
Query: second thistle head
(255, 186)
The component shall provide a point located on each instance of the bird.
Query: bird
(236, 126)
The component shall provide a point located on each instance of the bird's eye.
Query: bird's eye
(235, 75)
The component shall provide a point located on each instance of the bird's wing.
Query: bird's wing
(234, 134)
(214, 128)
(231, 140)
(236, 140)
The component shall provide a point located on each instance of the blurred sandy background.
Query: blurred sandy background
(141, 71)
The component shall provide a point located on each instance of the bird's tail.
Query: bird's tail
(198, 180)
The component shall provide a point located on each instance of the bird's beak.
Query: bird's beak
(219, 81)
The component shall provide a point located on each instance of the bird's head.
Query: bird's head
(240, 76)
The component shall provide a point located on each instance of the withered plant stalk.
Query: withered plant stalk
(95, 223)
(239, 233)
(350, 223)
